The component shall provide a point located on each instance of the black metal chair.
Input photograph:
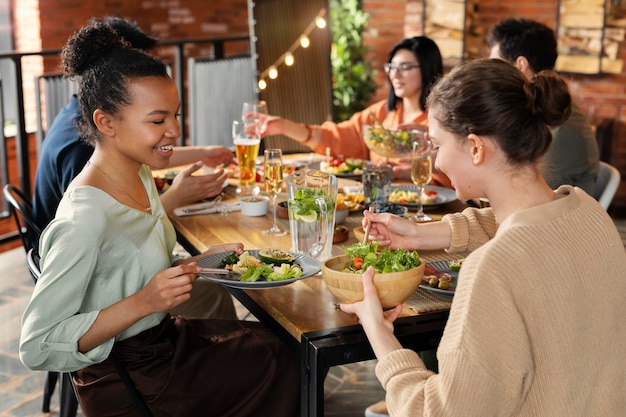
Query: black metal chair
(22, 211)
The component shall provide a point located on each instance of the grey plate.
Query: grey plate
(444, 196)
(356, 177)
(442, 266)
(310, 267)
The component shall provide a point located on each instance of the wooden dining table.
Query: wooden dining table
(304, 314)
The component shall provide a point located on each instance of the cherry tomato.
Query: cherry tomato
(160, 183)
(357, 262)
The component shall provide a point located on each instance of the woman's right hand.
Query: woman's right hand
(271, 125)
(170, 287)
(400, 233)
(392, 231)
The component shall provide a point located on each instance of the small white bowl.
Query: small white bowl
(254, 205)
(341, 215)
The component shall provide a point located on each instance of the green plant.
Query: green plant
(353, 79)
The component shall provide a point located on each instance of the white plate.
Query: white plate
(442, 266)
(310, 267)
(444, 195)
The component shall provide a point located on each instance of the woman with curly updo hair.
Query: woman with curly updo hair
(531, 332)
(108, 276)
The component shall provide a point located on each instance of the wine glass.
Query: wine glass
(273, 174)
(249, 115)
(421, 172)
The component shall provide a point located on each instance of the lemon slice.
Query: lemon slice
(309, 217)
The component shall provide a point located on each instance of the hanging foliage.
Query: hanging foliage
(353, 79)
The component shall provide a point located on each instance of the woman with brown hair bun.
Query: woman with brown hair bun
(530, 331)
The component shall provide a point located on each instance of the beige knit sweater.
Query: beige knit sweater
(538, 322)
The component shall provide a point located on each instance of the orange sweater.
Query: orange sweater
(346, 138)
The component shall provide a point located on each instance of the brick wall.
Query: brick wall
(599, 97)
(390, 20)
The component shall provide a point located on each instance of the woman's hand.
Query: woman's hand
(398, 232)
(270, 125)
(169, 288)
(393, 231)
(377, 325)
(213, 156)
(190, 188)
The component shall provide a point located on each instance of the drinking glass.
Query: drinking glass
(421, 172)
(250, 119)
(247, 149)
(376, 184)
(273, 174)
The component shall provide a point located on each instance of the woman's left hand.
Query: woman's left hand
(377, 325)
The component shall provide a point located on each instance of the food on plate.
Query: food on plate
(456, 264)
(436, 279)
(276, 256)
(410, 197)
(390, 143)
(229, 169)
(350, 201)
(165, 182)
(344, 166)
(383, 260)
(288, 169)
(252, 269)
(396, 209)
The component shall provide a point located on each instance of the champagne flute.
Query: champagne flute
(273, 174)
(249, 116)
(421, 173)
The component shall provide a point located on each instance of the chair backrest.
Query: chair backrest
(217, 90)
(52, 93)
(32, 257)
(606, 184)
(22, 211)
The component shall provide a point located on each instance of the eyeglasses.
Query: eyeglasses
(402, 67)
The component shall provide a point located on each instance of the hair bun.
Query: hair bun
(87, 46)
(548, 98)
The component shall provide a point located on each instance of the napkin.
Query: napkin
(205, 208)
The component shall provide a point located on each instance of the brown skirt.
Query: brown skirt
(196, 368)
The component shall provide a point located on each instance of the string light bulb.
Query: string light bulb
(289, 59)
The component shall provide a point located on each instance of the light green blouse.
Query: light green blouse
(95, 252)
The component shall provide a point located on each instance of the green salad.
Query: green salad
(253, 269)
(384, 260)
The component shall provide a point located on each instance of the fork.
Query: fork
(208, 205)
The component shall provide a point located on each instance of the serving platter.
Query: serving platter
(310, 266)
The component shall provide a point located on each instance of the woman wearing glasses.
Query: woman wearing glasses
(414, 65)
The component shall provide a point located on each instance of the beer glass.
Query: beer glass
(247, 149)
